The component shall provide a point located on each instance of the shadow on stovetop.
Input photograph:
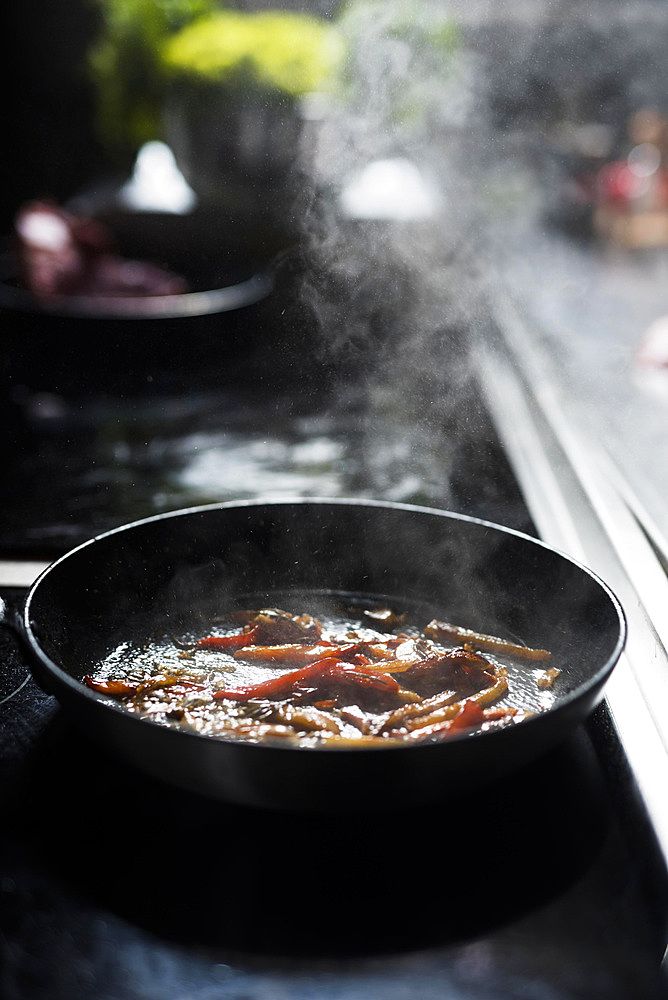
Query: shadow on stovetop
(236, 879)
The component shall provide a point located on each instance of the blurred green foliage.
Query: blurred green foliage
(282, 51)
(148, 49)
(126, 67)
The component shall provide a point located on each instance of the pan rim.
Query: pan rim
(591, 686)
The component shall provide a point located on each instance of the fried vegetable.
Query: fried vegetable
(548, 677)
(273, 626)
(485, 697)
(339, 682)
(468, 717)
(115, 688)
(307, 718)
(228, 643)
(321, 679)
(384, 616)
(445, 706)
(454, 633)
(292, 653)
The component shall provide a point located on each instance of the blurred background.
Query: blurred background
(411, 250)
(346, 199)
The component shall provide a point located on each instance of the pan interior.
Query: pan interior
(148, 650)
(183, 568)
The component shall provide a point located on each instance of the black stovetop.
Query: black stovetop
(112, 886)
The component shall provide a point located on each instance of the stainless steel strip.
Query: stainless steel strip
(577, 509)
(648, 524)
(609, 536)
(20, 573)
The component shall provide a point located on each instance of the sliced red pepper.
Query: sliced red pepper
(117, 689)
(228, 643)
(367, 677)
(309, 678)
(494, 714)
(470, 716)
(125, 689)
(276, 687)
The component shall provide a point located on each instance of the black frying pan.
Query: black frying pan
(174, 571)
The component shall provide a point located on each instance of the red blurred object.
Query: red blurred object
(60, 254)
(618, 184)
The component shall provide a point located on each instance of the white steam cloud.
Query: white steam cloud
(449, 131)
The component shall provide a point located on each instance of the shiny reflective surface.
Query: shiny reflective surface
(82, 465)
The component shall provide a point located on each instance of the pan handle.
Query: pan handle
(10, 618)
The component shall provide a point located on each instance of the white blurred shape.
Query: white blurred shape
(653, 349)
(389, 189)
(44, 229)
(157, 184)
(644, 160)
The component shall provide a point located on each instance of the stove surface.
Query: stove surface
(113, 886)
(81, 464)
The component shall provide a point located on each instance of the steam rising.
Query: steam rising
(476, 103)
(390, 241)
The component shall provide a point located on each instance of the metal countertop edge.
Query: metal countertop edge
(20, 573)
(577, 507)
